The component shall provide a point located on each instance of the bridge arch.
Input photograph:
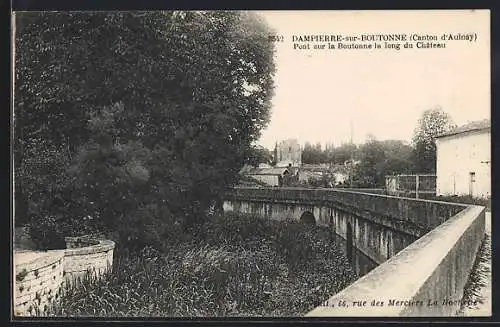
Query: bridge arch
(307, 217)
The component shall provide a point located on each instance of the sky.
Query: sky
(320, 94)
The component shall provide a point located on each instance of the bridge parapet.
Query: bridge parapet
(424, 213)
(427, 278)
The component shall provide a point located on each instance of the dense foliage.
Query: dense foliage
(315, 154)
(378, 159)
(432, 123)
(135, 117)
(238, 265)
(258, 155)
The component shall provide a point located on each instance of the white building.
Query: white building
(463, 160)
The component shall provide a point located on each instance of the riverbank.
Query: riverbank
(236, 266)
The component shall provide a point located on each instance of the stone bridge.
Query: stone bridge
(421, 250)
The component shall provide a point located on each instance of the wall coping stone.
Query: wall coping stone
(43, 260)
(340, 190)
(102, 246)
(27, 262)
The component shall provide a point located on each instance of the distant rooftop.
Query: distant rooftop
(263, 171)
(469, 127)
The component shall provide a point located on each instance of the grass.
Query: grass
(481, 270)
(237, 266)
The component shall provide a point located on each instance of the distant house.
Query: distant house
(288, 152)
(463, 160)
(341, 174)
(340, 178)
(276, 176)
(335, 174)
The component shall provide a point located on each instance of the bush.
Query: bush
(158, 229)
(236, 229)
(48, 231)
(261, 272)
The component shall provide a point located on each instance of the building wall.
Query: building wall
(271, 180)
(458, 156)
(289, 152)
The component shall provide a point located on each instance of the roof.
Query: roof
(469, 127)
(265, 171)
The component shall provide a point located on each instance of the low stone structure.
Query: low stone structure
(84, 254)
(40, 277)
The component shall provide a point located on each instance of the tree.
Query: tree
(369, 172)
(258, 155)
(313, 154)
(183, 96)
(341, 154)
(432, 123)
(379, 159)
(398, 158)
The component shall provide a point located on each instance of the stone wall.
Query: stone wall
(92, 255)
(37, 282)
(39, 277)
(425, 214)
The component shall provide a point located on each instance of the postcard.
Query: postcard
(206, 164)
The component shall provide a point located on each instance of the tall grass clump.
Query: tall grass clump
(237, 265)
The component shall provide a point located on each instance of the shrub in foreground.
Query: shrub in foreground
(267, 268)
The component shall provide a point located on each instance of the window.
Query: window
(472, 179)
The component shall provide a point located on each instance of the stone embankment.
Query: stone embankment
(40, 277)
